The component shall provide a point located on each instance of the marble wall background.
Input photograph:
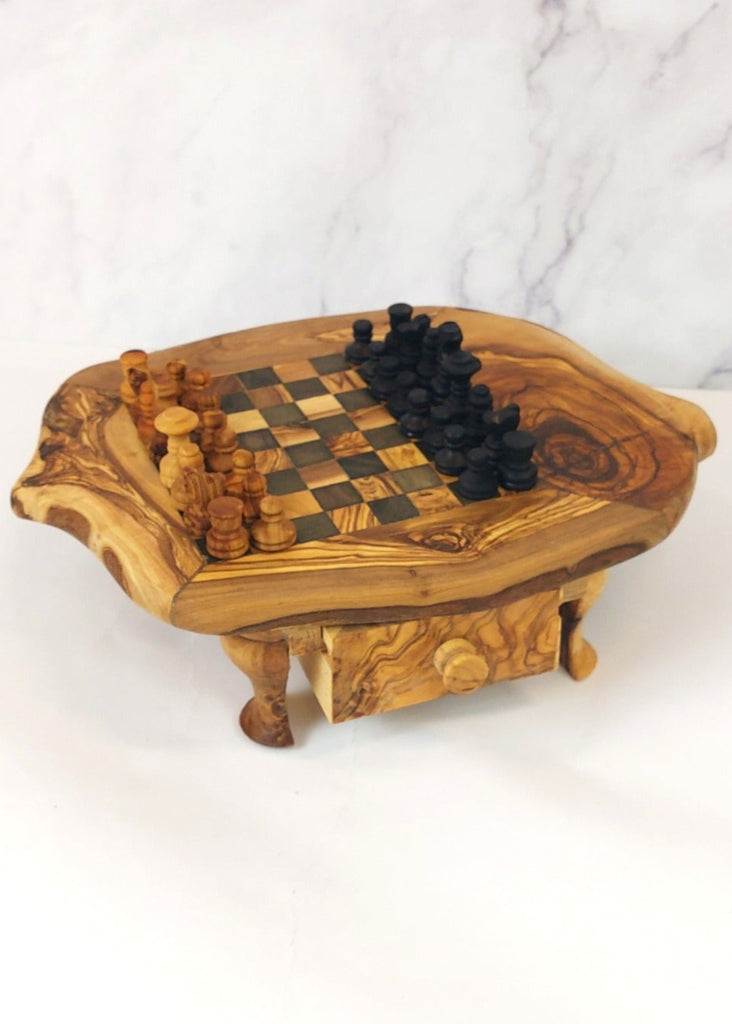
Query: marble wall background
(174, 170)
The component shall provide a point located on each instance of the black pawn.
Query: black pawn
(359, 350)
(409, 344)
(399, 313)
(414, 422)
(434, 435)
(384, 383)
(450, 460)
(397, 404)
(479, 480)
(480, 401)
(451, 338)
(508, 418)
(492, 440)
(428, 363)
(460, 366)
(422, 323)
(368, 369)
(516, 470)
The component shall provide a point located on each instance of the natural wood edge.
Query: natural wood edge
(473, 574)
(692, 421)
(86, 478)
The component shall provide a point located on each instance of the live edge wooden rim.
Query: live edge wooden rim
(617, 463)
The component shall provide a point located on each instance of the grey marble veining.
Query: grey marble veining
(172, 173)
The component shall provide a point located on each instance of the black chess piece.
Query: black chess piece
(359, 350)
(480, 401)
(422, 322)
(397, 404)
(428, 362)
(399, 313)
(415, 421)
(451, 338)
(479, 480)
(384, 383)
(368, 369)
(508, 418)
(409, 344)
(434, 435)
(492, 439)
(450, 460)
(460, 366)
(516, 471)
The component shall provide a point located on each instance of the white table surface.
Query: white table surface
(540, 851)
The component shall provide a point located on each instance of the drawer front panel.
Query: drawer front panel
(366, 669)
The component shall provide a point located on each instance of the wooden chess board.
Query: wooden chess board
(453, 594)
(334, 454)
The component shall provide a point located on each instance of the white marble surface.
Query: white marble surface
(174, 170)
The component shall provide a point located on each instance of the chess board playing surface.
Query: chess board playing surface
(331, 452)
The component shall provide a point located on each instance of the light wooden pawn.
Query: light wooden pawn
(146, 413)
(221, 458)
(190, 457)
(247, 483)
(198, 395)
(166, 392)
(177, 373)
(212, 422)
(273, 531)
(176, 423)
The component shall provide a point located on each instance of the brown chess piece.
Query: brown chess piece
(272, 531)
(227, 537)
(198, 395)
(135, 370)
(246, 482)
(199, 488)
(177, 373)
(190, 457)
(212, 422)
(176, 423)
(221, 458)
(146, 429)
(166, 392)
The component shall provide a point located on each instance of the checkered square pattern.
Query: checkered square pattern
(331, 452)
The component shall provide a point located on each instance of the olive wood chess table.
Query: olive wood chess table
(409, 611)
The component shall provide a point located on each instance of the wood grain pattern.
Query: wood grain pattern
(92, 478)
(437, 562)
(368, 669)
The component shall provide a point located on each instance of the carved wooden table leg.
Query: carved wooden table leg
(265, 659)
(576, 655)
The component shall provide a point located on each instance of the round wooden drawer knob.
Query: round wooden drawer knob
(461, 667)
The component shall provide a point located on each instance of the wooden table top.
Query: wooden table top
(617, 463)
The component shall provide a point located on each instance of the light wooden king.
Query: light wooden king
(397, 614)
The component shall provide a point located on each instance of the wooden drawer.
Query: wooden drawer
(365, 669)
